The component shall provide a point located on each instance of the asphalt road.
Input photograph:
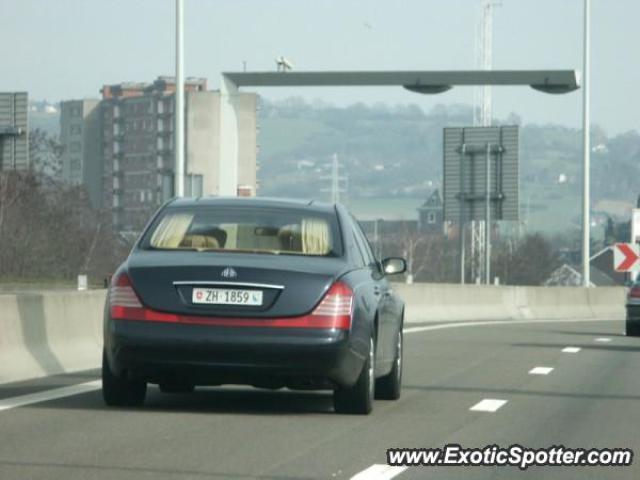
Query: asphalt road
(590, 399)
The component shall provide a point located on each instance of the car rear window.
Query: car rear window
(242, 229)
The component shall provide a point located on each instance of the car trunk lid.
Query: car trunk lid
(290, 285)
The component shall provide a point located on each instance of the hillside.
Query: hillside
(392, 157)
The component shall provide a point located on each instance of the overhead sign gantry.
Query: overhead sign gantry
(419, 81)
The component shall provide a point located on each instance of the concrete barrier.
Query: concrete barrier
(447, 302)
(55, 332)
(607, 302)
(48, 333)
(568, 302)
(426, 302)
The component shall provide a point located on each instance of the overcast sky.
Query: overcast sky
(69, 48)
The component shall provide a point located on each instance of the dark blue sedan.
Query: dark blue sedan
(263, 292)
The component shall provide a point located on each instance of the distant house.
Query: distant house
(431, 214)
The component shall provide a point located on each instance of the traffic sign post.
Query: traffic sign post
(626, 257)
(635, 232)
(635, 225)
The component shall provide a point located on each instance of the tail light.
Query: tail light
(336, 304)
(123, 300)
(635, 292)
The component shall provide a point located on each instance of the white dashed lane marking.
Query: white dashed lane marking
(570, 349)
(379, 472)
(488, 405)
(602, 339)
(540, 371)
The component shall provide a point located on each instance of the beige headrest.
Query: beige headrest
(200, 241)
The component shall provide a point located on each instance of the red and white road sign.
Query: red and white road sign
(626, 257)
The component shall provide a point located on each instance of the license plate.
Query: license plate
(226, 296)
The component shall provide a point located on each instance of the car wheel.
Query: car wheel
(176, 387)
(633, 329)
(358, 399)
(389, 386)
(121, 392)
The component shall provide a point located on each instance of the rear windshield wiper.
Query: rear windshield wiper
(181, 249)
(238, 250)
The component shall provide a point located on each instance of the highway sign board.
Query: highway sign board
(466, 150)
(626, 257)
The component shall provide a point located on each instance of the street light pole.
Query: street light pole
(586, 221)
(179, 103)
(487, 219)
(461, 222)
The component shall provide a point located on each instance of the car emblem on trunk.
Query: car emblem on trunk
(229, 272)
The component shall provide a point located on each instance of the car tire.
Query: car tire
(176, 387)
(632, 329)
(390, 386)
(358, 399)
(121, 392)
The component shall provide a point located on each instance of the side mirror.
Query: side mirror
(394, 265)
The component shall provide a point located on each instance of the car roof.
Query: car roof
(263, 202)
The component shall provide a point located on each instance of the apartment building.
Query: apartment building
(14, 131)
(80, 135)
(136, 147)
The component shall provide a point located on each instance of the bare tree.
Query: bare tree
(529, 261)
(430, 257)
(48, 229)
(8, 194)
(45, 153)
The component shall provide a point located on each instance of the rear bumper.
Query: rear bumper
(207, 355)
